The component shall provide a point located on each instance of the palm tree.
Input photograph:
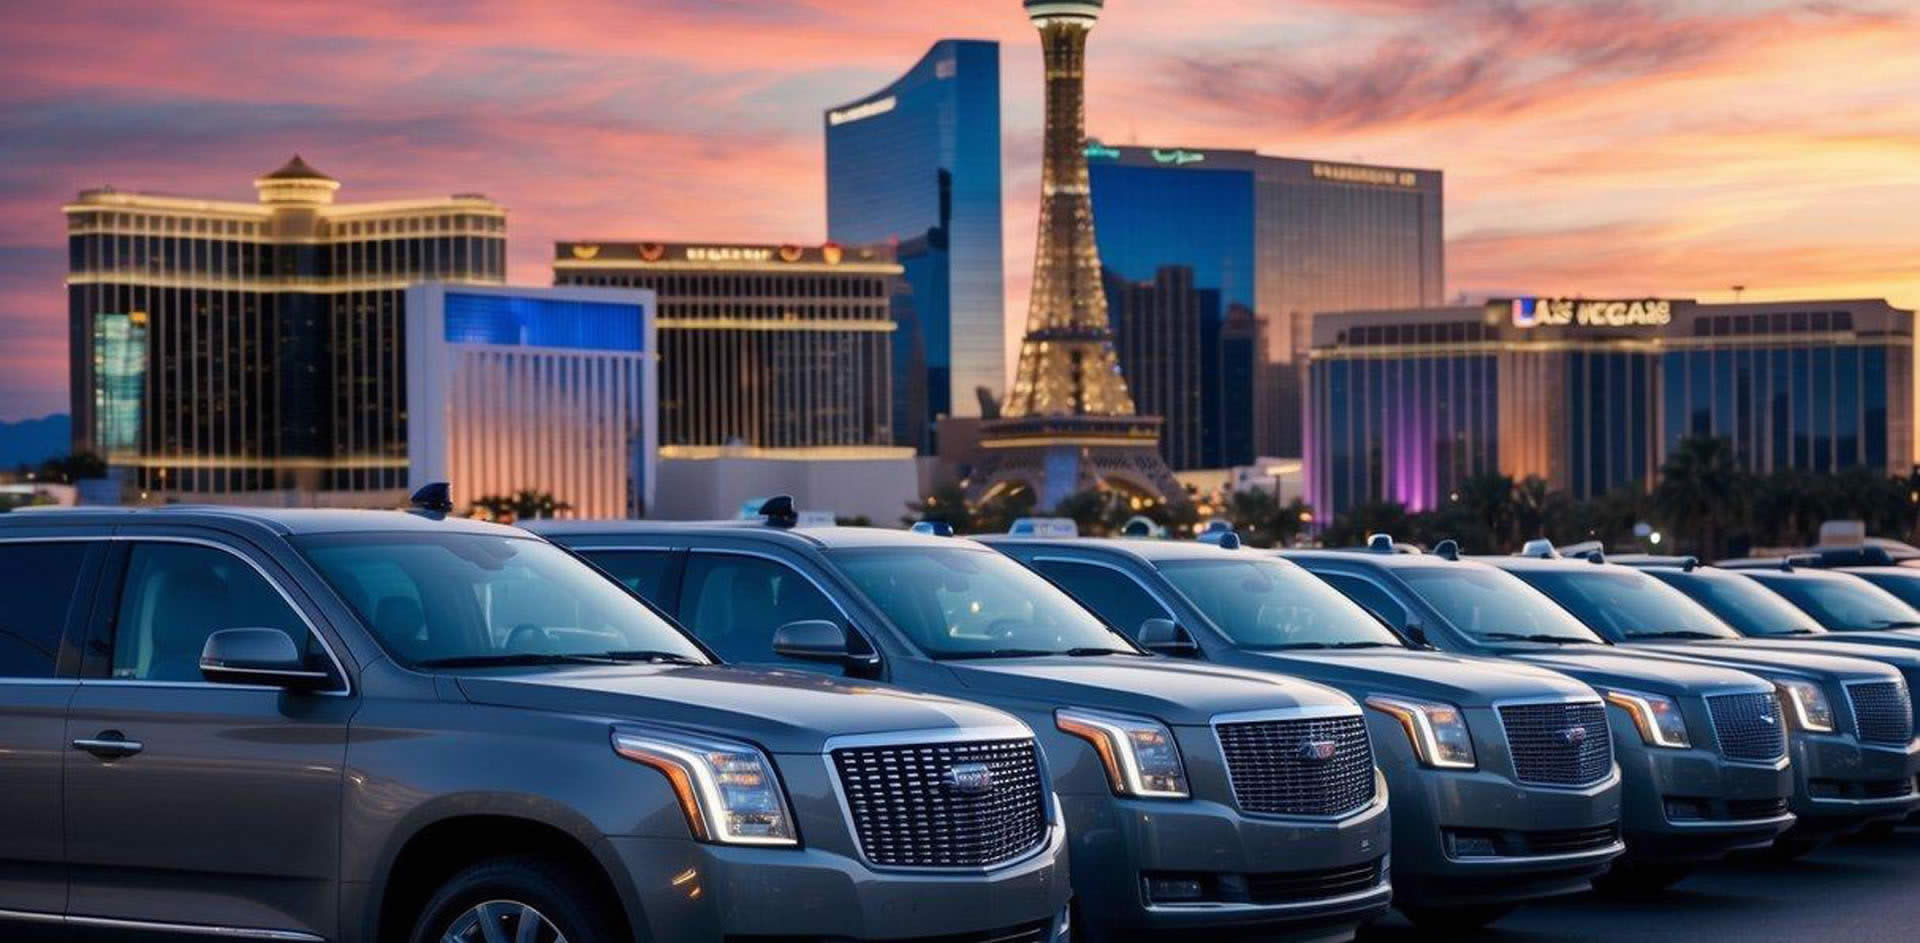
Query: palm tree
(1696, 495)
(1489, 497)
(523, 505)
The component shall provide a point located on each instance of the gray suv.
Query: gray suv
(310, 725)
(1504, 786)
(1702, 749)
(1197, 796)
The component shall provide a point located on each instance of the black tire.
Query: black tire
(1637, 878)
(1450, 920)
(1880, 831)
(558, 893)
(1789, 849)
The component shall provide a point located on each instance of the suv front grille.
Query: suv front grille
(1559, 744)
(906, 812)
(1273, 768)
(1883, 711)
(1298, 887)
(1749, 726)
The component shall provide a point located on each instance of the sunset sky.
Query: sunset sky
(1670, 147)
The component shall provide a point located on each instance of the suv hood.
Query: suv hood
(1465, 681)
(1886, 638)
(1613, 667)
(1769, 662)
(1175, 692)
(781, 711)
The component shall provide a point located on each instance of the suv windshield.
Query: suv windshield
(1627, 605)
(962, 603)
(1902, 583)
(1741, 603)
(1266, 604)
(1492, 606)
(447, 600)
(1842, 603)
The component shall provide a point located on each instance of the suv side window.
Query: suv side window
(644, 571)
(37, 588)
(1369, 595)
(734, 603)
(1112, 595)
(176, 595)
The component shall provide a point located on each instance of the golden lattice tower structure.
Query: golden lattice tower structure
(1068, 423)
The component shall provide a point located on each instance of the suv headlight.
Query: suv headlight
(1807, 706)
(1657, 717)
(1139, 753)
(1438, 731)
(727, 789)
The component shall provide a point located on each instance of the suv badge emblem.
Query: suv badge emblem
(969, 779)
(1573, 736)
(1769, 719)
(1318, 751)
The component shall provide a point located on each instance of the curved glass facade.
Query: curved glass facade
(917, 165)
(1402, 405)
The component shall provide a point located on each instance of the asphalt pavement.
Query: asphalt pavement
(1861, 891)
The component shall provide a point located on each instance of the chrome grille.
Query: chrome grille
(1882, 711)
(907, 814)
(1563, 743)
(1269, 764)
(1748, 726)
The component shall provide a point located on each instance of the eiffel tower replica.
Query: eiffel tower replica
(1069, 425)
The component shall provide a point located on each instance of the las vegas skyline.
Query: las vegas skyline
(1623, 147)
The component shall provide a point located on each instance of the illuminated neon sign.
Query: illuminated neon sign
(1560, 312)
(862, 111)
(727, 254)
(1097, 150)
(1378, 176)
(1178, 157)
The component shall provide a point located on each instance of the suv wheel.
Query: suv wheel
(1641, 877)
(527, 900)
(1456, 919)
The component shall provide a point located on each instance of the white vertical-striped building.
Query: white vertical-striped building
(543, 389)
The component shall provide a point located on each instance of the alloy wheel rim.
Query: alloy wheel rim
(503, 921)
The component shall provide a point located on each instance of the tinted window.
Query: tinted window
(643, 571)
(1627, 604)
(1369, 594)
(178, 594)
(1742, 603)
(963, 603)
(38, 582)
(1842, 602)
(1492, 605)
(470, 598)
(1267, 604)
(734, 603)
(1113, 595)
(1902, 585)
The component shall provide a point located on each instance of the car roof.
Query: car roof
(820, 538)
(1395, 561)
(281, 521)
(1138, 548)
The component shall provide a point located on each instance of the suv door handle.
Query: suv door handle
(110, 745)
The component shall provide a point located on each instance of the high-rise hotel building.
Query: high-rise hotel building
(1592, 395)
(223, 349)
(1283, 238)
(766, 347)
(917, 165)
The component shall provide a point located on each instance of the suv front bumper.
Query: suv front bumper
(1841, 784)
(1657, 781)
(1436, 813)
(687, 891)
(1246, 871)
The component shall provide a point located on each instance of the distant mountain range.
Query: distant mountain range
(32, 441)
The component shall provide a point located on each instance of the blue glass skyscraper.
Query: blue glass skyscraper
(917, 164)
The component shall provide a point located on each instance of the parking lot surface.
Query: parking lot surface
(1858, 891)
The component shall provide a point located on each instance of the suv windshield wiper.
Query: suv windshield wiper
(1304, 646)
(1778, 632)
(1676, 633)
(1896, 624)
(516, 660)
(639, 654)
(1539, 637)
(997, 653)
(1090, 651)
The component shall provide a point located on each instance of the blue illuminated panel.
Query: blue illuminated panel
(506, 320)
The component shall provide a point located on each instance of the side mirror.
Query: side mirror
(258, 656)
(1417, 634)
(1166, 637)
(812, 640)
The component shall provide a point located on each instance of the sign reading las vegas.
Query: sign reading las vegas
(1558, 312)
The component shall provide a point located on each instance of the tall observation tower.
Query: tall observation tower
(1068, 424)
